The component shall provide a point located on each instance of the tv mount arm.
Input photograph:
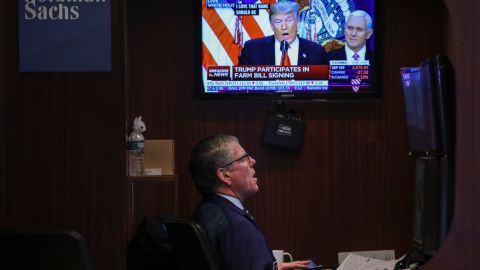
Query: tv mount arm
(281, 109)
(412, 260)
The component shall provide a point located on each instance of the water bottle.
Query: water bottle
(136, 146)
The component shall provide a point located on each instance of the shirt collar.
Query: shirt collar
(360, 53)
(233, 200)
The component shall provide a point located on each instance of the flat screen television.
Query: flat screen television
(228, 25)
(430, 113)
(429, 106)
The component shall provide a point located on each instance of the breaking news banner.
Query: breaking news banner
(267, 78)
(268, 72)
(341, 74)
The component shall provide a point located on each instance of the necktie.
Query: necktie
(356, 57)
(287, 60)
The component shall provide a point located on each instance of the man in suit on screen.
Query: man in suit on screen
(268, 50)
(358, 29)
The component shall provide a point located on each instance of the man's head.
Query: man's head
(220, 164)
(358, 28)
(284, 20)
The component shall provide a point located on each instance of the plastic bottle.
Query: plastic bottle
(136, 146)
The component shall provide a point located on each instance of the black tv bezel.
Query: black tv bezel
(371, 96)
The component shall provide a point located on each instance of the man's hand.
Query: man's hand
(293, 265)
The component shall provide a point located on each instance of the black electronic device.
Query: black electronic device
(284, 129)
(312, 265)
(284, 132)
(430, 113)
(429, 106)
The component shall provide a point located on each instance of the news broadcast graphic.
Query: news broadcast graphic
(64, 35)
(345, 74)
(228, 24)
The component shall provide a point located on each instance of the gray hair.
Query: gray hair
(207, 156)
(361, 13)
(284, 7)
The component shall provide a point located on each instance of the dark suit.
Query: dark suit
(236, 238)
(261, 51)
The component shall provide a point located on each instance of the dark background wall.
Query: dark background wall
(463, 244)
(64, 142)
(3, 113)
(63, 138)
(349, 188)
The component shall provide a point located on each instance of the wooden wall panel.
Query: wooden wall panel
(462, 246)
(62, 138)
(350, 187)
(65, 147)
(4, 50)
(149, 196)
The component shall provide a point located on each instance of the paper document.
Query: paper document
(356, 262)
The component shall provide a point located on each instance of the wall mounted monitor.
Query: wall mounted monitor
(242, 50)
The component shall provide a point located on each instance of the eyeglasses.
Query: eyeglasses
(246, 156)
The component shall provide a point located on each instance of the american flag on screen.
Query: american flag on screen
(223, 33)
(355, 84)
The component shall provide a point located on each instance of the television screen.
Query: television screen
(430, 113)
(304, 49)
(419, 109)
(429, 105)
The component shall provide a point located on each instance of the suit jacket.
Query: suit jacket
(261, 51)
(340, 54)
(233, 234)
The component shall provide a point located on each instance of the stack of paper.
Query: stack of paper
(356, 262)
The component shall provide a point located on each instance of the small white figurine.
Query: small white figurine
(139, 125)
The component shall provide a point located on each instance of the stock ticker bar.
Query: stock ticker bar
(349, 70)
(349, 74)
(267, 86)
(266, 73)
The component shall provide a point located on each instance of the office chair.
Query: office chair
(191, 246)
(55, 250)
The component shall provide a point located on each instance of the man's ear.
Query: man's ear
(369, 34)
(224, 176)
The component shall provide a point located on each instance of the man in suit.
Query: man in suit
(223, 173)
(358, 29)
(267, 51)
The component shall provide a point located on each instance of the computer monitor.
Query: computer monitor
(430, 113)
